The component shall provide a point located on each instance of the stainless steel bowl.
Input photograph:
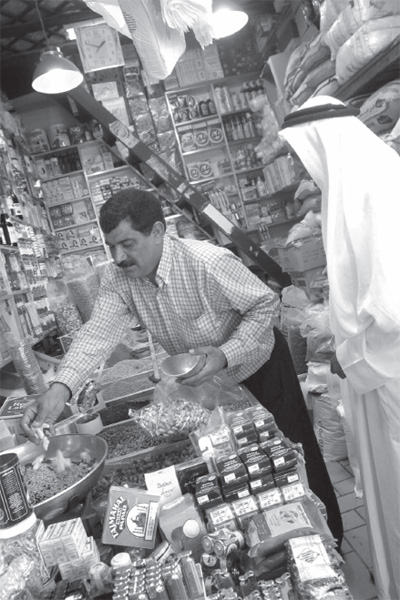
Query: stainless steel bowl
(71, 446)
(182, 365)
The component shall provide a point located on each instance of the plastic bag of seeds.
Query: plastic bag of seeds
(174, 412)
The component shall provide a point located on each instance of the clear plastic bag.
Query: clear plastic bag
(316, 329)
(175, 412)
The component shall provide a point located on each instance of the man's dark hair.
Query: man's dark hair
(141, 208)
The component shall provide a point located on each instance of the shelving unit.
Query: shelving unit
(75, 218)
(228, 170)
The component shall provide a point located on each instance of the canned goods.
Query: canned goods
(38, 141)
(78, 134)
(233, 543)
(58, 135)
(14, 503)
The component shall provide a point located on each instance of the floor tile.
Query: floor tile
(358, 540)
(350, 502)
(351, 520)
(358, 578)
(345, 547)
(361, 511)
(344, 487)
(337, 472)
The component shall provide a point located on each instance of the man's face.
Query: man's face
(136, 254)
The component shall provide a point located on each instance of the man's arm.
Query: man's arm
(91, 346)
(234, 287)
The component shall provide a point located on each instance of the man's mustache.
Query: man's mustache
(124, 264)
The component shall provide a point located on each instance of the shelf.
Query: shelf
(65, 148)
(198, 120)
(292, 220)
(251, 170)
(198, 150)
(18, 292)
(237, 111)
(235, 79)
(63, 175)
(48, 206)
(286, 190)
(115, 169)
(81, 249)
(249, 140)
(76, 225)
(8, 249)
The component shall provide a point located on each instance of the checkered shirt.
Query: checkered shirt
(204, 296)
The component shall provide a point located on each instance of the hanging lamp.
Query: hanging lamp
(225, 22)
(54, 74)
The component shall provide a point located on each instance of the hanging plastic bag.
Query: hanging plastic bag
(328, 426)
(292, 297)
(338, 391)
(316, 329)
(297, 343)
(175, 412)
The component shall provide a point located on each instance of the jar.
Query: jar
(186, 137)
(215, 132)
(58, 135)
(38, 141)
(77, 134)
(201, 137)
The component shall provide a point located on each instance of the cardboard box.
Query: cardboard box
(12, 410)
(305, 279)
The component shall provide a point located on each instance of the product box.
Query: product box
(12, 410)
(306, 254)
(131, 518)
(221, 517)
(63, 542)
(305, 279)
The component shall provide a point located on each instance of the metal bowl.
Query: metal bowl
(182, 365)
(71, 446)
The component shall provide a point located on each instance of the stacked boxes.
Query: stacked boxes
(66, 545)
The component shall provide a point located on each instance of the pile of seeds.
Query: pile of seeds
(133, 473)
(119, 412)
(127, 438)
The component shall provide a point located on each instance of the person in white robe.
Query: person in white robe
(359, 177)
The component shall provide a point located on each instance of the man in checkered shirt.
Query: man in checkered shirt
(192, 296)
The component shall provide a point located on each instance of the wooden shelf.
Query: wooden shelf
(66, 148)
(83, 248)
(76, 225)
(71, 173)
(205, 149)
(49, 206)
(286, 190)
(198, 120)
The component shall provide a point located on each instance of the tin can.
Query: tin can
(38, 141)
(14, 504)
(77, 134)
(175, 587)
(58, 135)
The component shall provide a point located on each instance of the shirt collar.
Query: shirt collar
(165, 264)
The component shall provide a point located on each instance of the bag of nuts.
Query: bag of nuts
(171, 415)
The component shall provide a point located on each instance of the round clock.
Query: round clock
(99, 47)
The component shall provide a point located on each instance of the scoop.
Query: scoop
(183, 365)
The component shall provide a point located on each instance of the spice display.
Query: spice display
(125, 387)
(127, 438)
(133, 472)
(47, 481)
(120, 412)
(83, 291)
(126, 368)
(68, 319)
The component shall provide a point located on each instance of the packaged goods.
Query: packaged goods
(14, 504)
(208, 493)
(269, 498)
(182, 524)
(268, 531)
(286, 478)
(164, 483)
(231, 468)
(131, 518)
(221, 516)
(244, 510)
(189, 472)
(261, 484)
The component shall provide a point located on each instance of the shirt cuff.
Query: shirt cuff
(69, 378)
(233, 352)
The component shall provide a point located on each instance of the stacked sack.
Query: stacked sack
(360, 31)
(381, 113)
(309, 68)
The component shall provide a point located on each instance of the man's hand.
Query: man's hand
(336, 369)
(215, 360)
(45, 409)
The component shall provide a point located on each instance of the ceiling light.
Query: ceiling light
(226, 22)
(55, 74)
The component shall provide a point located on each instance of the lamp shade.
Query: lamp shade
(55, 74)
(227, 22)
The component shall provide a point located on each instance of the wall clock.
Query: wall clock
(99, 47)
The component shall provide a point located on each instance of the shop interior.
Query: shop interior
(194, 120)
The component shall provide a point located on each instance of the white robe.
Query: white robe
(359, 178)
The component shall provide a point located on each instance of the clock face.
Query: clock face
(99, 47)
